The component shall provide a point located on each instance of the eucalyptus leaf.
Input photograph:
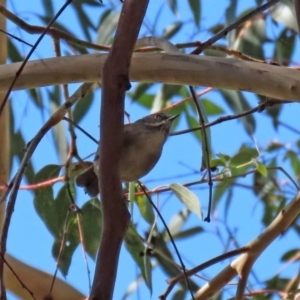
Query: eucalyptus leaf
(188, 198)
(91, 222)
(195, 6)
(134, 245)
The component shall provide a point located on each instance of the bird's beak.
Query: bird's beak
(172, 118)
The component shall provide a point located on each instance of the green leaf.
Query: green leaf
(224, 157)
(71, 241)
(13, 52)
(47, 172)
(195, 6)
(227, 203)
(285, 46)
(172, 29)
(58, 131)
(48, 7)
(216, 28)
(52, 211)
(261, 168)
(177, 222)
(237, 102)
(231, 11)
(18, 146)
(179, 294)
(188, 198)
(194, 231)
(215, 162)
(107, 28)
(193, 123)
(164, 94)
(244, 156)
(136, 248)
(58, 218)
(91, 222)
(85, 20)
(274, 146)
(81, 107)
(145, 208)
(174, 7)
(278, 283)
(298, 144)
(289, 255)
(220, 189)
(285, 13)
(36, 96)
(294, 161)
(211, 108)
(146, 101)
(252, 40)
(139, 90)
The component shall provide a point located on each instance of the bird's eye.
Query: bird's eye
(157, 117)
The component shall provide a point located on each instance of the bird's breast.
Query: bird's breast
(140, 154)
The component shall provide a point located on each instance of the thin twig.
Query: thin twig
(222, 33)
(81, 237)
(16, 38)
(81, 129)
(13, 196)
(54, 32)
(259, 108)
(30, 53)
(17, 277)
(201, 267)
(170, 236)
(206, 154)
(61, 249)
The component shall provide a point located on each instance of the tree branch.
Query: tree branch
(115, 82)
(179, 69)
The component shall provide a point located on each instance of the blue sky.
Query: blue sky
(181, 156)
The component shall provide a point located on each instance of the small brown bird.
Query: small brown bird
(141, 150)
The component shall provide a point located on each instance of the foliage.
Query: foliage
(252, 156)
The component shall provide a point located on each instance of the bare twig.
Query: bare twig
(201, 267)
(222, 33)
(81, 237)
(259, 108)
(13, 197)
(17, 277)
(61, 248)
(15, 37)
(185, 275)
(206, 155)
(54, 32)
(81, 129)
(30, 53)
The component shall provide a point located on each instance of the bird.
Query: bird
(142, 147)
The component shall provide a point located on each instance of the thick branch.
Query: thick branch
(273, 81)
(37, 282)
(115, 82)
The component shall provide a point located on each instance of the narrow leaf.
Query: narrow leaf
(195, 6)
(262, 169)
(188, 198)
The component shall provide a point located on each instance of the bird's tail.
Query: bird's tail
(89, 180)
